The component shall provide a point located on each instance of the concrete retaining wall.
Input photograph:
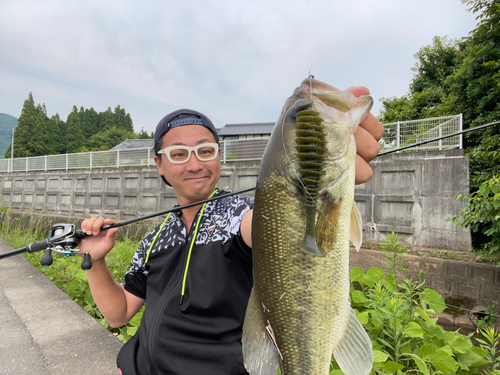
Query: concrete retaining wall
(410, 193)
(465, 286)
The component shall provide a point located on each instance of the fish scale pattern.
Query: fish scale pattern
(302, 298)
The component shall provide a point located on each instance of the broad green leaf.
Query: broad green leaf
(426, 351)
(390, 283)
(462, 345)
(422, 366)
(373, 275)
(357, 273)
(392, 366)
(357, 296)
(413, 330)
(424, 315)
(444, 362)
(447, 349)
(336, 372)
(132, 330)
(136, 320)
(363, 317)
(88, 297)
(434, 300)
(379, 356)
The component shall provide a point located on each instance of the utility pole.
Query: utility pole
(12, 147)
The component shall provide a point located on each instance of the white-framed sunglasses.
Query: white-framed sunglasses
(181, 154)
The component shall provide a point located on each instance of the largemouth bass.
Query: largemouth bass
(304, 216)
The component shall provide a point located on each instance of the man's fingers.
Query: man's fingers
(366, 145)
(373, 126)
(363, 171)
(370, 123)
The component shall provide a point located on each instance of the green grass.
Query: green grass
(66, 272)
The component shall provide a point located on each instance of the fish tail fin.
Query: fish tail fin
(260, 356)
(356, 228)
(354, 352)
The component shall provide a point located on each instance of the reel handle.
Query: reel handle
(86, 262)
(47, 258)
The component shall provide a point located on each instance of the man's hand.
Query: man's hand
(101, 243)
(369, 132)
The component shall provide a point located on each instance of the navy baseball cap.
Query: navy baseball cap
(179, 118)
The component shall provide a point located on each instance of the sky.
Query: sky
(235, 61)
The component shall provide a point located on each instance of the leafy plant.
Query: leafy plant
(491, 344)
(66, 272)
(399, 318)
(482, 213)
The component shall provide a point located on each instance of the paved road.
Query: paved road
(42, 331)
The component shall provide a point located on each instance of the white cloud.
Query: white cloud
(236, 61)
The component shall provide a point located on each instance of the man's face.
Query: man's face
(194, 180)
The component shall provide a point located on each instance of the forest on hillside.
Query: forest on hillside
(84, 130)
(7, 123)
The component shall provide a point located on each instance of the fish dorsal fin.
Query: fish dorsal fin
(259, 353)
(356, 228)
(354, 352)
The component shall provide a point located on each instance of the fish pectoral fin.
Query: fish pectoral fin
(260, 356)
(354, 352)
(356, 227)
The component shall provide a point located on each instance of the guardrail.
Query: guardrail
(231, 151)
(403, 133)
(396, 135)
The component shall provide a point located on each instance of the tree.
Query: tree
(453, 77)
(122, 120)
(476, 83)
(39, 144)
(144, 135)
(57, 139)
(74, 136)
(429, 94)
(24, 130)
(109, 138)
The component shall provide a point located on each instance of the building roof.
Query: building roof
(134, 143)
(248, 128)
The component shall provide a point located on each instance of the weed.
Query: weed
(490, 343)
(396, 316)
(66, 272)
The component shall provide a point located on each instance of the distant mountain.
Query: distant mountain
(7, 122)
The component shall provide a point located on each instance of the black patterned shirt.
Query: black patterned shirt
(201, 335)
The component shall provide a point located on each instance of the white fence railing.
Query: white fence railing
(231, 151)
(396, 135)
(403, 133)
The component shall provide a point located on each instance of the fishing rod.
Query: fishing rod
(63, 238)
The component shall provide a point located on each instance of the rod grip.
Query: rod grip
(37, 246)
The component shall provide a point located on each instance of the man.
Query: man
(195, 270)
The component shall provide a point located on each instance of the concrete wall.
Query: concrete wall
(464, 285)
(410, 193)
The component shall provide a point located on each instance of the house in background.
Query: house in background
(128, 144)
(256, 130)
(241, 142)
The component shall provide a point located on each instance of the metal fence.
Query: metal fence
(403, 133)
(231, 151)
(396, 135)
